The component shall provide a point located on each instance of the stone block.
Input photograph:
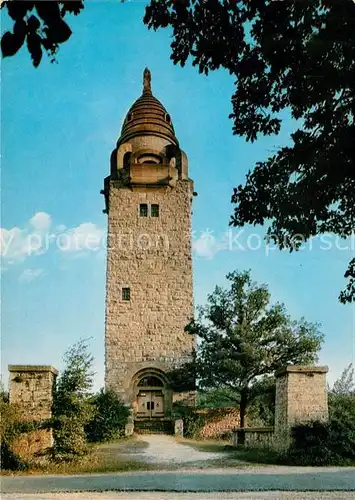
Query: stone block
(301, 397)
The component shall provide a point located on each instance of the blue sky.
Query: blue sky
(60, 123)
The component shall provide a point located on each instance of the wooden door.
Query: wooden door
(157, 404)
(144, 398)
(150, 404)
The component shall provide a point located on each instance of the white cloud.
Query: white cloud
(17, 243)
(11, 243)
(29, 275)
(41, 221)
(85, 237)
(35, 238)
(207, 246)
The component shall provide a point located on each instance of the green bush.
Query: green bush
(193, 422)
(10, 429)
(69, 438)
(342, 408)
(71, 405)
(323, 443)
(110, 418)
(333, 442)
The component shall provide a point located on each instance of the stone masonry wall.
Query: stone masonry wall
(262, 437)
(31, 390)
(281, 408)
(151, 256)
(219, 422)
(301, 396)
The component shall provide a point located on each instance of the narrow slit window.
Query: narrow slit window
(143, 210)
(155, 210)
(126, 293)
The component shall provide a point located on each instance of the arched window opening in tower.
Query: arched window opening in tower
(150, 159)
(129, 117)
(167, 118)
(150, 381)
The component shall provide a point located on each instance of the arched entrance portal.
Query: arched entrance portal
(152, 397)
(150, 400)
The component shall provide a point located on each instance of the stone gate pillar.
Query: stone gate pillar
(301, 396)
(31, 389)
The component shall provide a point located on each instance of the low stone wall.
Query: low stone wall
(186, 398)
(29, 444)
(301, 396)
(219, 422)
(255, 437)
(31, 390)
(179, 427)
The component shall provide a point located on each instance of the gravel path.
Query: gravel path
(188, 482)
(165, 449)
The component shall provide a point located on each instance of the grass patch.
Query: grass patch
(108, 457)
(260, 456)
(210, 445)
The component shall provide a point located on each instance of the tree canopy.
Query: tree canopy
(71, 403)
(293, 55)
(244, 340)
(345, 385)
(75, 382)
(41, 25)
(284, 55)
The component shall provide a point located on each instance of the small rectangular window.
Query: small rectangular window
(143, 210)
(155, 210)
(126, 294)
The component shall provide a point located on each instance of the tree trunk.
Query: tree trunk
(242, 411)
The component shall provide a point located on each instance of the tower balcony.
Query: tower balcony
(146, 174)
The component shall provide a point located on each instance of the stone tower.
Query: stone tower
(149, 296)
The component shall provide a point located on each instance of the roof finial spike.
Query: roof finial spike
(147, 77)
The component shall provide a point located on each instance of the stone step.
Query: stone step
(153, 426)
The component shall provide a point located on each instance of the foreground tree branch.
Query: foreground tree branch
(292, 55)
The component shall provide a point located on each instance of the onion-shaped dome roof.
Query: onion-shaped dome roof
(147, 116)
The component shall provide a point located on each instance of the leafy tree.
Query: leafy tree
(183, 378)
(215, 398)
(4, 394)
(40, 24)
(261, 409)
(289, 55)
(71, 407)
(293, 55)
(345, 385)
(342, 409)
(110, 417)
(244, 340)
(76, 380)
